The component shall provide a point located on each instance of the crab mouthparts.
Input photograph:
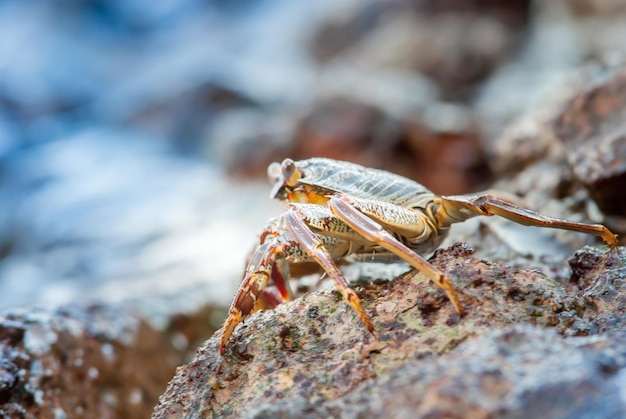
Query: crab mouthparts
(308, 194)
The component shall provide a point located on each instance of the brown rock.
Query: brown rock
(592, 127)
(313, 357)
(516, 372)
(457, 44)
(600, 277)
(95, 362)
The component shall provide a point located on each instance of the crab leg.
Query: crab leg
(280, 275)
(257, 274)
(345, 209)
(270, 261)
(315, 248)
(459, 208)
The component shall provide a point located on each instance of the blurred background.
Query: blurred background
(135, 135)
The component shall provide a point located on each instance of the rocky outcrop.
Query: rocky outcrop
(519, 351)
(94, 362)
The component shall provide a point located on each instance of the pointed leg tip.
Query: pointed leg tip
(458, 307)
(222, 344)
(227, 330)
(612, 242)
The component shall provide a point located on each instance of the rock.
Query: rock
(527, 141)
(455, 44)
(312, 357)
(592, 129)
(519, 371)
(571, 149)
(99, 362)
(600, 278)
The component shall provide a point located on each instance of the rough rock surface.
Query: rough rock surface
(520, 371)
(312, 357)
(95, 362)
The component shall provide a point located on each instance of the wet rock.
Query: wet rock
(568, 158)
(596, 8)
(109, 216)
(437, 144)
(313, 357)
(455, 44)
(601, 166)
(604, 37)
(527, 141)
(591, 127)
(98, 361)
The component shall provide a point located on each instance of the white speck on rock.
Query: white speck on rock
(93, 373)
(135, 396)
(387, 307)
(110, 399)
(38, 338)
(59, 414)
(108, 352)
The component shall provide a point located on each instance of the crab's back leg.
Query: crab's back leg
(459, 208)
(347, 210)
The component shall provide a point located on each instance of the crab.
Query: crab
(336, 208)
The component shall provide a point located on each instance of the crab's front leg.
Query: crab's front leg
(453, 209)
(315, 248)
(258, 272)
(270, 262)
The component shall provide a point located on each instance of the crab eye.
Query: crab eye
(274, 172)
(290, 172)
(288, 167)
